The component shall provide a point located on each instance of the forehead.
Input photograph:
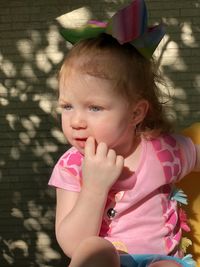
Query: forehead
(83, 84)
(109, 66)
(93, 70)
(85, 89)
(95, 63)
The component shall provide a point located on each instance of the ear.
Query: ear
(140, 110)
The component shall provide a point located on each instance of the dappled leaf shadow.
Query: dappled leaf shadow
(31, 52)
(31, 140)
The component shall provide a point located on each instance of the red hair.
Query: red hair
(133, 76)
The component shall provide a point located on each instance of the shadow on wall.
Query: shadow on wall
(181, 64)
(31, 52)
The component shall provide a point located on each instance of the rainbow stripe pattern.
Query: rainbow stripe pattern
(128, 25)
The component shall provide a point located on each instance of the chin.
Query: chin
(81, 150)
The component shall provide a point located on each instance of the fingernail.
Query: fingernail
(89, 138)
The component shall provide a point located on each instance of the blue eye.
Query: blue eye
(95, 108)
(67, 107)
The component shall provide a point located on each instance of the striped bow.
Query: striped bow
(128, 25)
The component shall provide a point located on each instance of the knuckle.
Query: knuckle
(112, 151)
(120, 157)
(102, 144)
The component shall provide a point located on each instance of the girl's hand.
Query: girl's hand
(101, 167)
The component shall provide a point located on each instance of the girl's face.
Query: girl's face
(91, 108)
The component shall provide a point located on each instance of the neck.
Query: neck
(129, 148)
(132, 159)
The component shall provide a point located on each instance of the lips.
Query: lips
(80, 142)
(80, 139)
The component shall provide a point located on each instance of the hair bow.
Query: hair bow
(128, 25)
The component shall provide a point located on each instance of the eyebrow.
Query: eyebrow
(61, 101)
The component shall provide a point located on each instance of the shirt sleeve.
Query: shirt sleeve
(188, 154)
(67, 172)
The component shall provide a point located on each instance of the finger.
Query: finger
(90, 146)
(120, 162)
(102, 150)
(111, 156)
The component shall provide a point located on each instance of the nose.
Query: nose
(78, 121)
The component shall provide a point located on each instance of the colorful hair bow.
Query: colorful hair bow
(128, 25)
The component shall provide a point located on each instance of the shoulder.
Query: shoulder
(71, 157)
(67, 171)
(176, 144)
(176, 148)
(172, 142)
(71, 161)
(166, 147)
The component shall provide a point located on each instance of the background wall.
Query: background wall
(31, 52)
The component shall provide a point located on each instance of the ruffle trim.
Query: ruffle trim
(181, 198)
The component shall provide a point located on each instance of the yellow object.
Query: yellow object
(191, 186)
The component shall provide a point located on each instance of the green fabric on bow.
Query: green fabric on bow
(128, 25)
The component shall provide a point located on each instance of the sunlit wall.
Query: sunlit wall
(31, 141)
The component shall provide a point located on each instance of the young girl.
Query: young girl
(115, 204)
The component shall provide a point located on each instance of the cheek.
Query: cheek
(100, 131)
(110, 130)
(65, 125)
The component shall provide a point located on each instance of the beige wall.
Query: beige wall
(31, 52)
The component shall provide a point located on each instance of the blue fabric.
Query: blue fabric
(143, 260)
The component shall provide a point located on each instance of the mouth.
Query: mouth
(81, 142)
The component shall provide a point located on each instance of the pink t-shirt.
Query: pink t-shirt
(141, 216)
